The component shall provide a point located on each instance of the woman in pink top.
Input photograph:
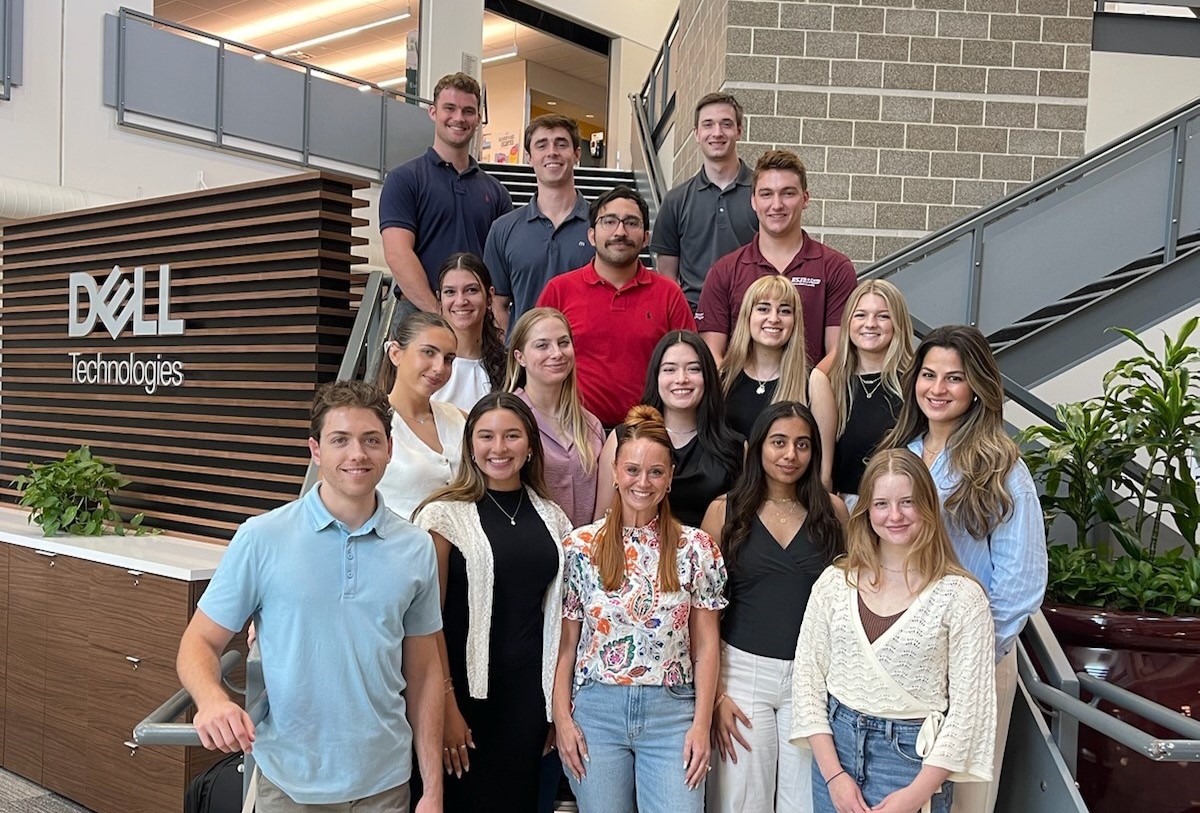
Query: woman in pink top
(541, 372)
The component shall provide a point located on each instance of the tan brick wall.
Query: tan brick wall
(908, 113)
(697, 68)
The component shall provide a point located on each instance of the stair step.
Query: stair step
(1114, 280)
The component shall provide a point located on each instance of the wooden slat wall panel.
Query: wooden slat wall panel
(260, 274)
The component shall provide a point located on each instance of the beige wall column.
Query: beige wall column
(451, 31)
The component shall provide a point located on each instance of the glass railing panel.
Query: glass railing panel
(409, 131)
(332, 105)
(170, 77)
(1080, 232)
(263, 101)
(1189, 212)
(936, 286)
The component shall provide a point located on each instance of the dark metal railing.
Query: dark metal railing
(8, 34)
(1149, 149)
(657, 97)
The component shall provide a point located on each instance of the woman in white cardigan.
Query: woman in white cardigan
(500, 566)
(893, 685)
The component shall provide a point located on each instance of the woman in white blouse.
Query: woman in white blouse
(464, 294)
(426, 435)
(893, 685)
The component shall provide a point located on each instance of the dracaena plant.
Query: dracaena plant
(74, 496)
(1123, 462)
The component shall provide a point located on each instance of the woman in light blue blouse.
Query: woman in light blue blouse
(953, 417)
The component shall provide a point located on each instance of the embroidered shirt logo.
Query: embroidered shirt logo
(807, 282)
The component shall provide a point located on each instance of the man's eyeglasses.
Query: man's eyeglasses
(610, 222)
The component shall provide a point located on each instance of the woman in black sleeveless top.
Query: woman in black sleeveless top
(874, 350)
(682, 384)
(778, 529)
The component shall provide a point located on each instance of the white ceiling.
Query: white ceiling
(375, 55)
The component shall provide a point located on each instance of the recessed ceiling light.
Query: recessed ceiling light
(590, 116)
(552, 103)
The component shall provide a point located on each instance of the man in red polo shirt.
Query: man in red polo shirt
(617, 308)
(822, 276)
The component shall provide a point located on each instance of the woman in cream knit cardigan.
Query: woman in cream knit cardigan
(500, 566)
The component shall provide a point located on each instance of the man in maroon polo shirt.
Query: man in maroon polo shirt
(822, 276)
(617, 308)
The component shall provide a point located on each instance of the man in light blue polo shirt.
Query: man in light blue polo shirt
(528, 247)
(344, 596)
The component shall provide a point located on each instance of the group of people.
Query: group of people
(778, 564)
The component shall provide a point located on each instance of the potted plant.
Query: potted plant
(1119, 469)
(73, 496)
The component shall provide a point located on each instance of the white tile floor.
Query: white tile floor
(20, 796)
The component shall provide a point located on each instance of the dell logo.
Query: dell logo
(116, 302)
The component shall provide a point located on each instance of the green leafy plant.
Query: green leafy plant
(1149, 414)
(73, 495)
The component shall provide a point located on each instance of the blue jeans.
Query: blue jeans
(880, 755)
(634, 740)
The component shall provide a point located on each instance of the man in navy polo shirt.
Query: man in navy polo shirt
(344, 596)
(529, 247)
(440, 202)
(824, 277)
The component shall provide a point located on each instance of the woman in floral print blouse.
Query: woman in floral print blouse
(637, 665)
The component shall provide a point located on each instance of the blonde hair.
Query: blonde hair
(981, 452)
(896, 359)
(931, 554)
(571, 414)
(793, 371)
(608, 550)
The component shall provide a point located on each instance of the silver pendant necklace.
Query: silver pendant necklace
(512, 518)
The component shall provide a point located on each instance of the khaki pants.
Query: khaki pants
(273, 800)
(980, 797)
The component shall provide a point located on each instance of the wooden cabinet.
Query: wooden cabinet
(90, 652)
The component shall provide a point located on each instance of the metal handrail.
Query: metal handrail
(1064, 175)
(1061, 692)
(657, 184)
(222, 44)
(658, 109)
(367, 335)
(6, 36)
(158, 728)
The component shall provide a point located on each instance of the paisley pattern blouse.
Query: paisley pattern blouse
(638, 634)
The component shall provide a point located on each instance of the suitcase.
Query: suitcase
(218, 789)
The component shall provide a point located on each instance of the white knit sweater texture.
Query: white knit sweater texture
(458, 523)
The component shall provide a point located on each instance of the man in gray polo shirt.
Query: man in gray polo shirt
(528, 247)
(709, 215)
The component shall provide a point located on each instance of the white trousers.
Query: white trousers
(774, 776)
(980, 797)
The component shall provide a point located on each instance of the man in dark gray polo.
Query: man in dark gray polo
(709, 215)
(548, 236)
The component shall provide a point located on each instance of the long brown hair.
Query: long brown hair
(981, 452)
(491, 346)
(470, 484)
(571, 414)
(749, 491)
(896, 360)
(408, 329)
(931, 554)
(608, 551)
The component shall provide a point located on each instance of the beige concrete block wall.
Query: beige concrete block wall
(698, 66)
(908, 113)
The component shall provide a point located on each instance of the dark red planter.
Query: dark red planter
(1157, 657)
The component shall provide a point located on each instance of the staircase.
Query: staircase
(520, 182)
(1111, 239)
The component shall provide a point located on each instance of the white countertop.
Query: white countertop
(162, 555)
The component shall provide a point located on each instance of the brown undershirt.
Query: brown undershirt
(874, 625)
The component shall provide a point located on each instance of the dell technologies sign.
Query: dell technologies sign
(116, 303)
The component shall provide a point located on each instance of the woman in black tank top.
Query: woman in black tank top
(778, 529)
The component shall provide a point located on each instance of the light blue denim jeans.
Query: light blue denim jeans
(880, 755)
(634, 740)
